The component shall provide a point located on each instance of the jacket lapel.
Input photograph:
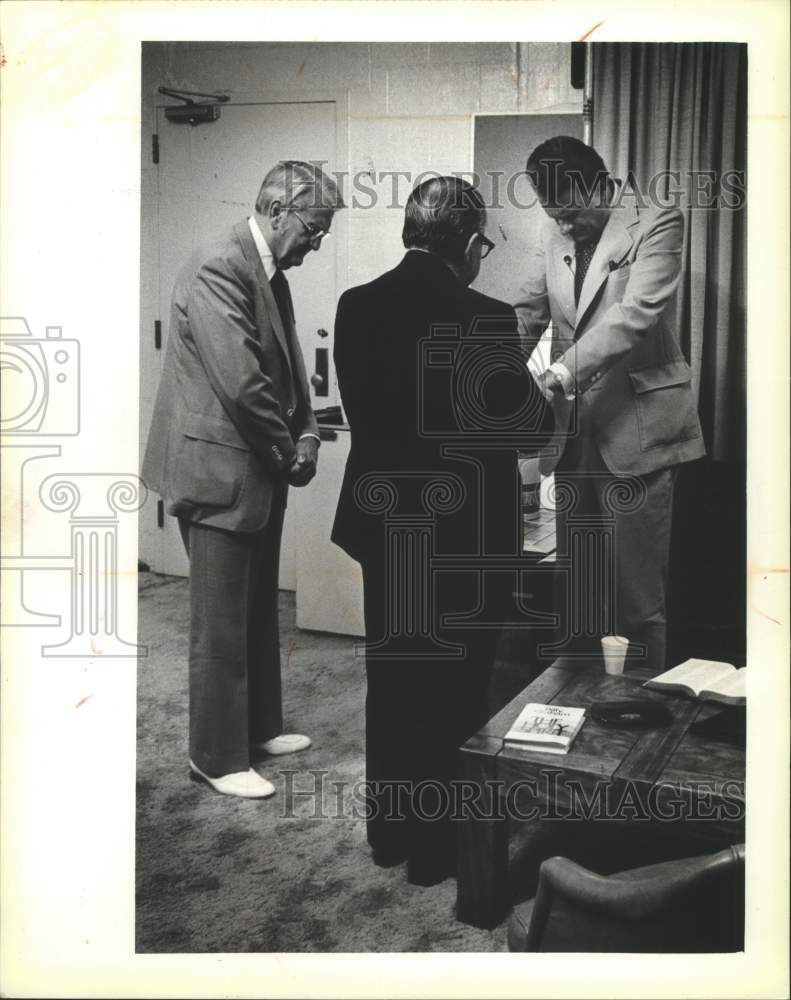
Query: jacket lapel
(615, 243)
(252, 256)
(563, 285)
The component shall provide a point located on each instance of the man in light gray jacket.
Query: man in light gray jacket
(604, 275)
(232, 428)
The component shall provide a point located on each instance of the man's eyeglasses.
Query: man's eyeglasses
(316, 233)
(486, 246)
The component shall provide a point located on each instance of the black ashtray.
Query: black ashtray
(635, 714)
(729, 725)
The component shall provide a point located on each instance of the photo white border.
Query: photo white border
(70, 256)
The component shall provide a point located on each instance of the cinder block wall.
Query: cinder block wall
(410, 107)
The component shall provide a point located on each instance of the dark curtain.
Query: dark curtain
(682, 108)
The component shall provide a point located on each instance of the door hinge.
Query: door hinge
(155, 148)
(158, 334)
(160, 514)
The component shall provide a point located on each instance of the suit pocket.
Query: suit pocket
(214, 462)
(665, 404)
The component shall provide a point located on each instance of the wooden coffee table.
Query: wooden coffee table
(684, 784)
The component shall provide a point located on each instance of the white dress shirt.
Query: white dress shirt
(263, 248)
(269, 265)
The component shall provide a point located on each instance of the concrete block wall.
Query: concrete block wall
(410, 107)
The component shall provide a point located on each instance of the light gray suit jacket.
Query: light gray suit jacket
(635, 393)
(233, 398)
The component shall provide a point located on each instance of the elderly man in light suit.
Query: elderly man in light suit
(604, 274)
(232, 428)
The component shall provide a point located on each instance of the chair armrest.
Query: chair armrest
(637, 894)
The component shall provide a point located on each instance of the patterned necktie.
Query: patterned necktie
(279, 287)
(584, 256)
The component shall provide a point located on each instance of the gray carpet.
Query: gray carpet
(219, 874)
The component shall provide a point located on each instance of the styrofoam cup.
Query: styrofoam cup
(614, 649)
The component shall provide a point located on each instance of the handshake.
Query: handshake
(303, 468)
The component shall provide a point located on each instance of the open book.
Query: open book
(705, 679)
(546, 728)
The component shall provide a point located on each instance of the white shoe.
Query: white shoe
(245, 784)
(286, 743)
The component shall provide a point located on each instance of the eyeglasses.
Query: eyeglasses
(316, 233)
(486, 246)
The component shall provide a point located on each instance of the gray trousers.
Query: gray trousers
(234, 653)
(638, 558)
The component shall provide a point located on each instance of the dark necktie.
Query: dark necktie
(584, 256)
(279, 287)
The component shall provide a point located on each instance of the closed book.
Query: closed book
(545, 728)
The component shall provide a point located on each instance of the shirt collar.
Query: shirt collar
(262, 247)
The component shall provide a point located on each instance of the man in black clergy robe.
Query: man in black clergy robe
(435, 389)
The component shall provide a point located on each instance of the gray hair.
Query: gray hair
(296, 182)
(441, 215)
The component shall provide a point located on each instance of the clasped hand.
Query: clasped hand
(550, 387)
(303, 468)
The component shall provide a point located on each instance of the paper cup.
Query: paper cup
(614, 649)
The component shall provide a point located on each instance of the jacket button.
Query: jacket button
(290, 411)
(557, 355)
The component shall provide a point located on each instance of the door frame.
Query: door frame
(539, 358)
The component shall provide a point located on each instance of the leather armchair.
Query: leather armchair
(690, 905)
